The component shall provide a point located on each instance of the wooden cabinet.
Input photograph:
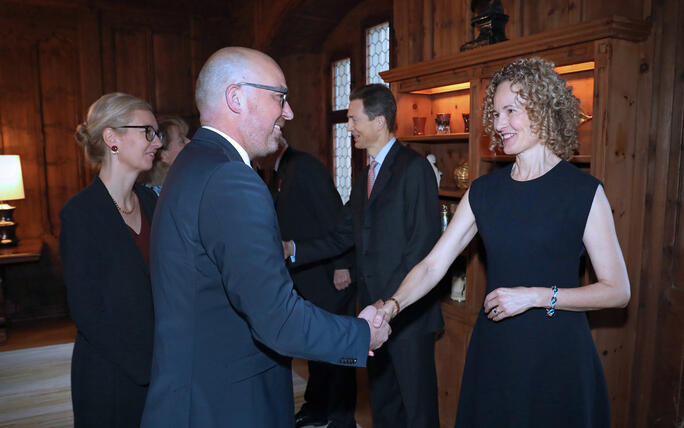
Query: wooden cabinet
(601, 60)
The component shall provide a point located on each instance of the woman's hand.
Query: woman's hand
(386, 311)
(507, 302)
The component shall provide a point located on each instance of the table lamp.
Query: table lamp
(11, 188)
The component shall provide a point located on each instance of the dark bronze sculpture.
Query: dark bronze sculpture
(490, 19)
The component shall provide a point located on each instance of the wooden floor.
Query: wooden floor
(39, 333)
(52, 332)
(35, 391)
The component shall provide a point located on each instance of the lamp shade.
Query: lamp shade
(11, 183)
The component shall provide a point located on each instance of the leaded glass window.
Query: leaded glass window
(377, 52)
(341, 84)
(343, 173)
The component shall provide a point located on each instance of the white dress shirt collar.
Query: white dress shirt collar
(238, 147)
(382, 154)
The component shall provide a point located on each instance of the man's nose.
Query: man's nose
(288, 114)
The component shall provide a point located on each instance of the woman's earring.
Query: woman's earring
(114, 150)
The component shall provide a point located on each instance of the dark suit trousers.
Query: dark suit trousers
(403, 384)
(331, 389)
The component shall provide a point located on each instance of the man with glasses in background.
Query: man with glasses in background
(226, 315)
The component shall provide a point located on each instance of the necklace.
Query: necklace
(121, 210)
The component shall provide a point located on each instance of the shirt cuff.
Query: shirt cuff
(294, 252)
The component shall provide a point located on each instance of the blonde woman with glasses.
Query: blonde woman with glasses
(104, 245)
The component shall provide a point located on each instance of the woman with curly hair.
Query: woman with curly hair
(531, 359)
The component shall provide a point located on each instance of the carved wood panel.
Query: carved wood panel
(173, 83)
(449, 31)
(150, 57)
(60, 101)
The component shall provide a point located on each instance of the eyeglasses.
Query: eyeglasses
(282, 91)
(150, 132)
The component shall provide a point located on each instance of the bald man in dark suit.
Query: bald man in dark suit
(227, 320)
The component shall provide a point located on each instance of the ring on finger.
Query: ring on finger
(496, 311)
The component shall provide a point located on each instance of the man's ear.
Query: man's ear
(380, 122)
(234, 99)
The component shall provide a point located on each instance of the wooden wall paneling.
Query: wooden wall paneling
(658, 387)
(408, 26)
(644, 288)
(39, 95)
(451, 27)
(477, 91)
(198, 49)
(308, 130)
(666, 402)
(173, 83)
(131, 60)
(543, 15)
(90, 76)
(153, 59)
(628, 8)
(206, 36)
(20, 112)
(613, 329)
(60, 101)
(450, 350)
(669, 376)
(266, 14)
(599, 128)
(56, 58)
(514, 26)
(576, 11)
(428, 29)
(662, 46)
(30, 291)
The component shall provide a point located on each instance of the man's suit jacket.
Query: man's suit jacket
(308, 205)
(225, 310)
(392, 231)
(110, 300)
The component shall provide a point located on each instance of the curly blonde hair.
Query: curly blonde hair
(553, 110)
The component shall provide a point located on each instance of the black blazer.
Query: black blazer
(224, 304)
(392, 231)
(109, 295)
(307, 204)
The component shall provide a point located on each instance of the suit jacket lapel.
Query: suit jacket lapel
(146, 202)
(384, 175)
(119, 235)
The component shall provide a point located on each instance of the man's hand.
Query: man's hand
(341, 279)
(386, 311)
(288, 249)
(379, 335)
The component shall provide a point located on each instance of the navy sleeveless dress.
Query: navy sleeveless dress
(532, 370)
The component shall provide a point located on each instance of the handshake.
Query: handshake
(378, 316)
